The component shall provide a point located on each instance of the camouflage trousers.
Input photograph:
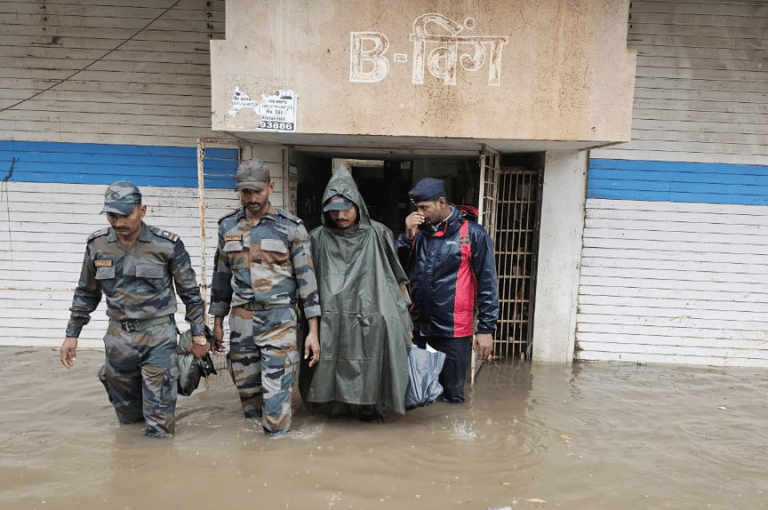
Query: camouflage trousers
(140, 376)
(262, 361)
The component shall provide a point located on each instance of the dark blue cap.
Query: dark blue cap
(428, 188)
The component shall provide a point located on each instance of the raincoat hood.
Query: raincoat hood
(342, 183)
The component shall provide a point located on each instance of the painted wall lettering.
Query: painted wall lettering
(369, 64)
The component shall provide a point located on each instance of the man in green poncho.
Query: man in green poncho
(365, 329)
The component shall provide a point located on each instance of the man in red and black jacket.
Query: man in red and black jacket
(452, 273)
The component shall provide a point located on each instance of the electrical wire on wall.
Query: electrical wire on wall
(123, 43)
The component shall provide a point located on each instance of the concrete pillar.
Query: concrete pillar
(559, 260)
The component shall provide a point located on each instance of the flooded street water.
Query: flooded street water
(588, 436)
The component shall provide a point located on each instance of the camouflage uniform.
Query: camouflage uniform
(138, 282)
(258, 269)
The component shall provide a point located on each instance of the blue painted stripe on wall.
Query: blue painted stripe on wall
(670, 181)
(82, 163)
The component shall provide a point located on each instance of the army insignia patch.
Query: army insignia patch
(102, 263)
(238, 237)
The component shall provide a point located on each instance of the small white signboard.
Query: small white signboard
(277, 111)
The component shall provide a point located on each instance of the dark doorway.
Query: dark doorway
(384, 186)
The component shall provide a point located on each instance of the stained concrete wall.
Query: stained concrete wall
(545, 70)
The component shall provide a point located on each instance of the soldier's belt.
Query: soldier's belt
(256, 307)
(134, 325)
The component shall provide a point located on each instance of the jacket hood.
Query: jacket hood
(342, 183)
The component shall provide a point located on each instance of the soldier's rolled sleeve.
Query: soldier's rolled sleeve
(221, 284)
(86, 299)
(187, 288)
(301, 255)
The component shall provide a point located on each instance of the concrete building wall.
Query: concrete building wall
(531, 70)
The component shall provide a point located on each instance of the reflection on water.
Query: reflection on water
(607, 436)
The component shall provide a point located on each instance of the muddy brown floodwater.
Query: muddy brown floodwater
(589, 436)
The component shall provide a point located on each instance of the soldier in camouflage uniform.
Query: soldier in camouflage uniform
(263, 258)
(136, 266)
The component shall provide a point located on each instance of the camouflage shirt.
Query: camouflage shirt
(138, 281)
(263, 263)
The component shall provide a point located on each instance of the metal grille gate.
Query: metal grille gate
(489, 179)
(516, 244)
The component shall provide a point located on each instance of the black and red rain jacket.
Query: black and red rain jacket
(452, 274)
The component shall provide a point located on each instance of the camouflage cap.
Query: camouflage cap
(337, 203)
(121, 197)
(252, 174)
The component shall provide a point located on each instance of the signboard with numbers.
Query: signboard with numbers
(278, 111)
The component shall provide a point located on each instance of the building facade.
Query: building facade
(437, 85)
(646, 124)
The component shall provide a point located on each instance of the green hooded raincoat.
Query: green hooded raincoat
(364, 324)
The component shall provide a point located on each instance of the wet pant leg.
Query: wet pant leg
(140, 376)
(159, 376)
(263, 360)
(244, 362)
(280, 359)
(123, 384)
(457, 355)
